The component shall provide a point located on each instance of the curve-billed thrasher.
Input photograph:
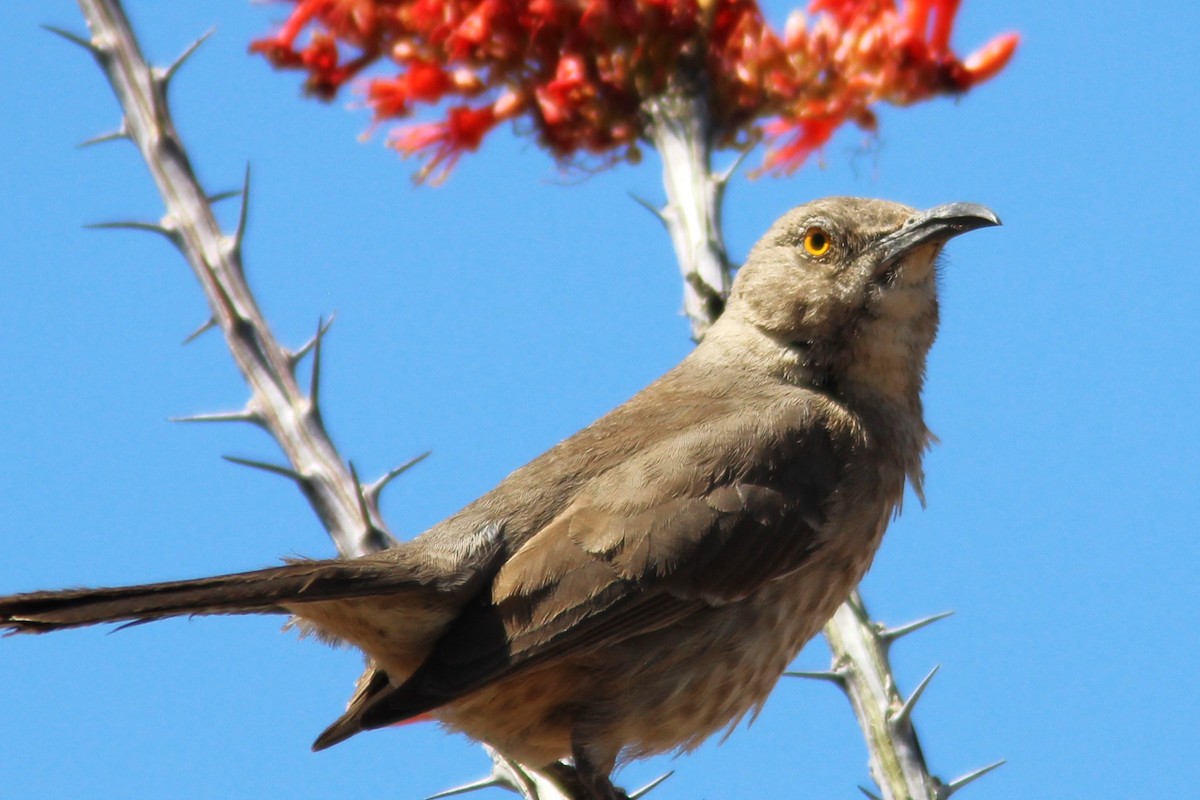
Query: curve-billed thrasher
(644, 583)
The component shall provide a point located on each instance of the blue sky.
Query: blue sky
(486, 319)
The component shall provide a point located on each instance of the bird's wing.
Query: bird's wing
(705, 517)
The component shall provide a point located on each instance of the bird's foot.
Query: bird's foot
(583, 781)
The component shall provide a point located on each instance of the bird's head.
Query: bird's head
(850, 284)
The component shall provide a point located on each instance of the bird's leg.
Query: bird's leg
(583, 784)
(589, 780)
(567, 778)
(587, 777)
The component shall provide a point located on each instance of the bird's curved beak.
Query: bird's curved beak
(938, 224)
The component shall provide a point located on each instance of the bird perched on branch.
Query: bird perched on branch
(644, 583)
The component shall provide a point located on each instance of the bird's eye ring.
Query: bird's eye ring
(817, 241)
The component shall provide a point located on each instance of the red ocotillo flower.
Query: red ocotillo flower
(581, 71)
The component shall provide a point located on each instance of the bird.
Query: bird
(644, 583)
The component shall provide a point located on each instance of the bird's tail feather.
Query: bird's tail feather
(259, 592)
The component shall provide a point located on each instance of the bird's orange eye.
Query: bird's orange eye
(817, 242)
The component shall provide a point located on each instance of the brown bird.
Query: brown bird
(644, 583)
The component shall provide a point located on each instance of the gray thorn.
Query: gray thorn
(208, 325)
(651, 786)
(869, 793)
(314, 383)
(244, 415)
(905, 711)
(653, 209)
(374, 489)
(219, 196)
(74, 38)
(970, 777)
(133, 225)
(722, 178)
(890, 635)
(112, 136)
(831, 676)
(165, 76)
(239, 233)
(274, 469)
(304, 349)
(474, 786)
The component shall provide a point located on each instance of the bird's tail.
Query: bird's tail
(263, 591)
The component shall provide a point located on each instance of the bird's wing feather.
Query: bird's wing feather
(705, 518)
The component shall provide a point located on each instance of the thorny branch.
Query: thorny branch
(348, 510)
(277, 403)
(683, 136)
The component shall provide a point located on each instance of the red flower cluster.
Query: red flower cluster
(581, 70)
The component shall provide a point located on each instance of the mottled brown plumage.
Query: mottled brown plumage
(644, 583)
